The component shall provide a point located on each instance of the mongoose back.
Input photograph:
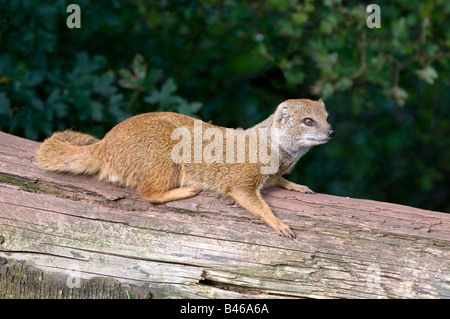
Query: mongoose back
(163, 157)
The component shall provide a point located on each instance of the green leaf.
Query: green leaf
(299, 18)
(32, 78)
(153, 98)
(85, 64)
(168, 88)
(103, 85)
(138, 78)
(344, 84)
(428, 74)
(398, 94)
(164, 97)
(171, 103)
(151, 78)
(127, 80)
(189, 108)
(168, 101)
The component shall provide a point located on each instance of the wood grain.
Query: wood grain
(76, 228)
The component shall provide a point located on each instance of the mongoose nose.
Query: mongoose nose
(330, 133)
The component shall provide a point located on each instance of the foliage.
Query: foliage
(46, 87)
(386, 89)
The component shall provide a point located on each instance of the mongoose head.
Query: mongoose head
(302, 123)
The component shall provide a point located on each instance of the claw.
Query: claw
(281, 229)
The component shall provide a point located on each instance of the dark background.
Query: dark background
(232, 62)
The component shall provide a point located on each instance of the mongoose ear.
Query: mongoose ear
(281, 112)
(321, 102)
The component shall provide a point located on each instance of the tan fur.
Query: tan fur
(137, 153)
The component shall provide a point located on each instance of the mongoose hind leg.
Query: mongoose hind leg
(170, 195)
(252, 201)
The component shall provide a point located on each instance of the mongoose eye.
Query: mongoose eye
(308, 121)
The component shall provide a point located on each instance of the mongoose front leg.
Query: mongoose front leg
(284, 183)
(252, 201)
(170, 195)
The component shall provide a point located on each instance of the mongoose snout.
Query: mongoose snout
(330, 133)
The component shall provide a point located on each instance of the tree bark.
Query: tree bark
(67, 236)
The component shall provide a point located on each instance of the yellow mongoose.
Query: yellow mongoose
(145, 152)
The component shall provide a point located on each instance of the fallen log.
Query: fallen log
(67, 236)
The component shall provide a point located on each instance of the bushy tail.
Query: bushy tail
(69, 151)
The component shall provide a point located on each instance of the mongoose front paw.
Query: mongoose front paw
(300, 188)
(282, 229)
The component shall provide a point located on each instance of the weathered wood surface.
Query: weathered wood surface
(88, 232)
